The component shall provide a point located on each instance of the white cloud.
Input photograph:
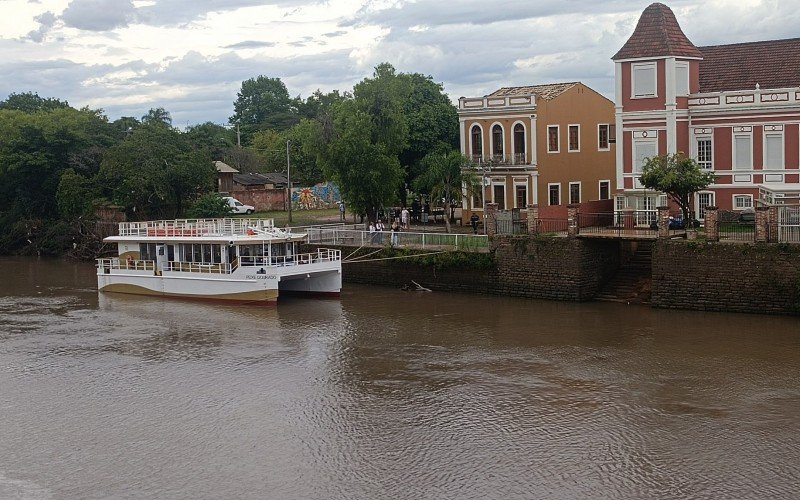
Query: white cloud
(190, 56)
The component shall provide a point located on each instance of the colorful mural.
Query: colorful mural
(322, 195)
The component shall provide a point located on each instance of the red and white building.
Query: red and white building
(734, 108)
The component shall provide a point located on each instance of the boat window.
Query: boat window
(147, 251)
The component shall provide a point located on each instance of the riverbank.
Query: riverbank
(691, 275)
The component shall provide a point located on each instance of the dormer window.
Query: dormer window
(643, 79)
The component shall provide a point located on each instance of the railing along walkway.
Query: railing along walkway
(405, 239)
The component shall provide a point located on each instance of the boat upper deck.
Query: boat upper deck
(235, 230)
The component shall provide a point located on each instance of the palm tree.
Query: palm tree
(448, 177)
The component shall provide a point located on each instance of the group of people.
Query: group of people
(398, 224)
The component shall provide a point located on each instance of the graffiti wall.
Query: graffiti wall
(322, 195)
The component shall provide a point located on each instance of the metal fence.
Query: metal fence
(788, 226)
(744, 231)
(400, 239)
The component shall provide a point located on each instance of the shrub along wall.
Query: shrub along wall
(754, 278)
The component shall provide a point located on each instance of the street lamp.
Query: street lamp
(288, 182)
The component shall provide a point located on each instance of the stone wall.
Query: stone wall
(553, 268)
(746, 277)
(520, 266)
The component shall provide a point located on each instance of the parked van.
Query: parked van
(237, 207)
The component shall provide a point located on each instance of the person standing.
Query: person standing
(341, 210)
(395, 230)
(473, 220)
(404, 218)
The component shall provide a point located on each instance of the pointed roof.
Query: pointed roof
(657, 34)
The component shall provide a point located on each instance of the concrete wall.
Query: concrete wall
(754, 278)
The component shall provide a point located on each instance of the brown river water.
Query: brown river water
(386, 394)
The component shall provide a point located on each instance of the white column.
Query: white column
(533, 156)
(462, 139)
(620, 145)
(535, 183)
(671, 105)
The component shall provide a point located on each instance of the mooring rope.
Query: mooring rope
(391, 258)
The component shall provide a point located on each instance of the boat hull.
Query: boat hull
(246, 286)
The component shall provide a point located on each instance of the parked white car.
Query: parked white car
(237, 207)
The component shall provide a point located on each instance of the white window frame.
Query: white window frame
(608, 136)
(734, 168)
(580, 193)
(521, 182)
(646, 65)
(524, 141)
(697, 139)
(600, 190)
(499, 181)
(549, 185)
(682, 64)
(558, 138)
(767, 133)
(469, 140)
(636, 143)
(697, 202)
(502, 140)
(741, 196)
(569, 146)
(620, 202)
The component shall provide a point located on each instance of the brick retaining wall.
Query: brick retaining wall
(753, 278)
(520, 266)
(553, 268)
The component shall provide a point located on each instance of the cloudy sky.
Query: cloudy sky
(190, 56)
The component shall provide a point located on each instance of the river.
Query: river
(386, 394)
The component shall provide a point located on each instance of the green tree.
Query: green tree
(30, 102)
(74, 195)
(216, 139)
(678, 176)
(263, 103)
(432, 124)
(367, 173)
(382, 98)
(444, 177)
(157, 116)
(155, 173)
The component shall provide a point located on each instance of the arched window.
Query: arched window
(497, 142)
(477, 143)
(519, 144)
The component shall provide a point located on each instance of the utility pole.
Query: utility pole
(238, 137)
(288, 183)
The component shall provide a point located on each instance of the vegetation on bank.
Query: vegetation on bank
(59, 164)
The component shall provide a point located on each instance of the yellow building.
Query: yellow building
(548, 145)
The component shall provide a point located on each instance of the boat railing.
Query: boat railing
(321, 255)
(126, 264)
(197, 227)
(198, 267)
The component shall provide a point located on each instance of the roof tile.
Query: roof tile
(771, 64)
(547, 91)
(657, 34)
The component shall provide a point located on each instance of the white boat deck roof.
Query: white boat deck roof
(238, 231)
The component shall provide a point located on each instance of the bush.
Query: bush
(209, 206)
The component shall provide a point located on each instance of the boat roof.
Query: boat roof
(231, 231)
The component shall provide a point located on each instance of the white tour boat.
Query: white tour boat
(244, 260)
